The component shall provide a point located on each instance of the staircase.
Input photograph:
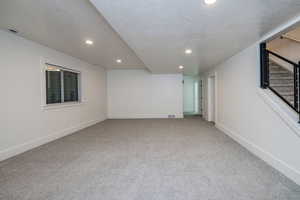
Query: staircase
(282, 81)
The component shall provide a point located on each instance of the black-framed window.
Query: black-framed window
(62, 85)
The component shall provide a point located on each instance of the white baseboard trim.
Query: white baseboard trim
(13, 151)
(278, 164)
(143, 116)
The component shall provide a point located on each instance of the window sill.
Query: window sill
(57, 106)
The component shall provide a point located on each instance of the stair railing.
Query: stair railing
(267, 78)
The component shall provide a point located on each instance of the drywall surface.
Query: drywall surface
(24, 120)
(140, 94)
(244, 115)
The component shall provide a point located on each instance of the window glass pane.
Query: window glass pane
(53, 85)
(70, 86)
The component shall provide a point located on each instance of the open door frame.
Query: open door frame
(212, 98)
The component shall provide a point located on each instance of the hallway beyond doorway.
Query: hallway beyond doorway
(192, 95)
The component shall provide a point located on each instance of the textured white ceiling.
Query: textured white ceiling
(65, 25)
(159, 30)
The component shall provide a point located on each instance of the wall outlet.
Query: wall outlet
(171, 116)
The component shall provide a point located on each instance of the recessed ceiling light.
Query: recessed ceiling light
(181, 67)
(209, 2)
(89, 42)
(188, 51)
(119, 61)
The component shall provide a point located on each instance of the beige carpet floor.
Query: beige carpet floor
(155, 159)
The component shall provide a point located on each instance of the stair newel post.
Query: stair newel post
(296, 88)
(264, 68)
(267, 68)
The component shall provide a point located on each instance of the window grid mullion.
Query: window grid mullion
(66, 94)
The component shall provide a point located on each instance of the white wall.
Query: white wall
(24, 123)
(243, 114)
(140, 94)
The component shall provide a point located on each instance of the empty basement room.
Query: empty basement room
(150, 100)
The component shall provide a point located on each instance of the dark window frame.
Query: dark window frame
(74, 75)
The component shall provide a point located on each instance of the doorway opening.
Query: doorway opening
(192, 98)
(211, 103)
